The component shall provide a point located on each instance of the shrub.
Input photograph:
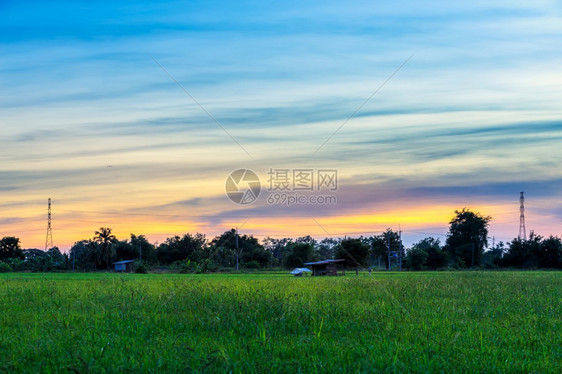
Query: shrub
(416, 259)
(212, 267)
(5, 268)
(189, 266)
(15, 264)
(252, 265)
(141, 268)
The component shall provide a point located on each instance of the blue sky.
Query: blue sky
(91, 120)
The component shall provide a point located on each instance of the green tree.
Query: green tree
(436, 257)
(10, 248)
(254, 251)
(223, 256)
(306, 240)
(550, 253)
(56, 260)
(80, 256)
(33, 254)
(37, 260)
(493, 257)
(248, 248)
(379, 247)
(532, 253)
(134, 249)
(105, 245)
(354, 251)
(467, 237)
(298, 254)
(277, 248)
(520, 252)
(187, 247)
(84, 255)
(326, 248)
(416, 259)
(144, 248)
(124, 251)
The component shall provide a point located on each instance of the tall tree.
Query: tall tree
(248, 248)
(416, 259)
(379, 247)
(493, 257)
(105, 245)
(10, 248)
(81, 255)
(143, 249)
(534, 252)
(355, 251)
(468, 235)
(298, 254)
(436, 256)
(550, 254)
(277, 248)
(326, 248)
(222, 256)
(306, 240)
(187, 247)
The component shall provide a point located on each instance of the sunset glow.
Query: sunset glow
(134, 119)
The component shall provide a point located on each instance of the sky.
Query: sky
(132, 115)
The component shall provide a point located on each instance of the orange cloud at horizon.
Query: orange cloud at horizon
(70, 227)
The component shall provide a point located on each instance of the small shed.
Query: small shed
(124, 265)
(326, 267)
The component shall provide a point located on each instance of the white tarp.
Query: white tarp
(301, 270)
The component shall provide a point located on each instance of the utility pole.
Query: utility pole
(237, 252)
(522, 230)
(401, 249)
(388, 243)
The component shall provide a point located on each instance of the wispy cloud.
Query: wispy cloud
(88, 118)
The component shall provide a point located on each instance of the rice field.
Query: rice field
(386, 322)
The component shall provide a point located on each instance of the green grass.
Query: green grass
(397, 322)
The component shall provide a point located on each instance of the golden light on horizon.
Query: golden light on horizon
(70, 226)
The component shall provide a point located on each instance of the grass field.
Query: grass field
(397, 322)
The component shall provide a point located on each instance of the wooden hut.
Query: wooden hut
(327, 267)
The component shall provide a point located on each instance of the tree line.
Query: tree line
(466, 246)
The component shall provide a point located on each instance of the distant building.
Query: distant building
(326, 267)
(124, 265)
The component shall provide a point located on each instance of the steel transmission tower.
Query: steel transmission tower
(49, 238)
(522, 231)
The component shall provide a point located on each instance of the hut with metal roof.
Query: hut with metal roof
(124, 265)
(327, 267)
